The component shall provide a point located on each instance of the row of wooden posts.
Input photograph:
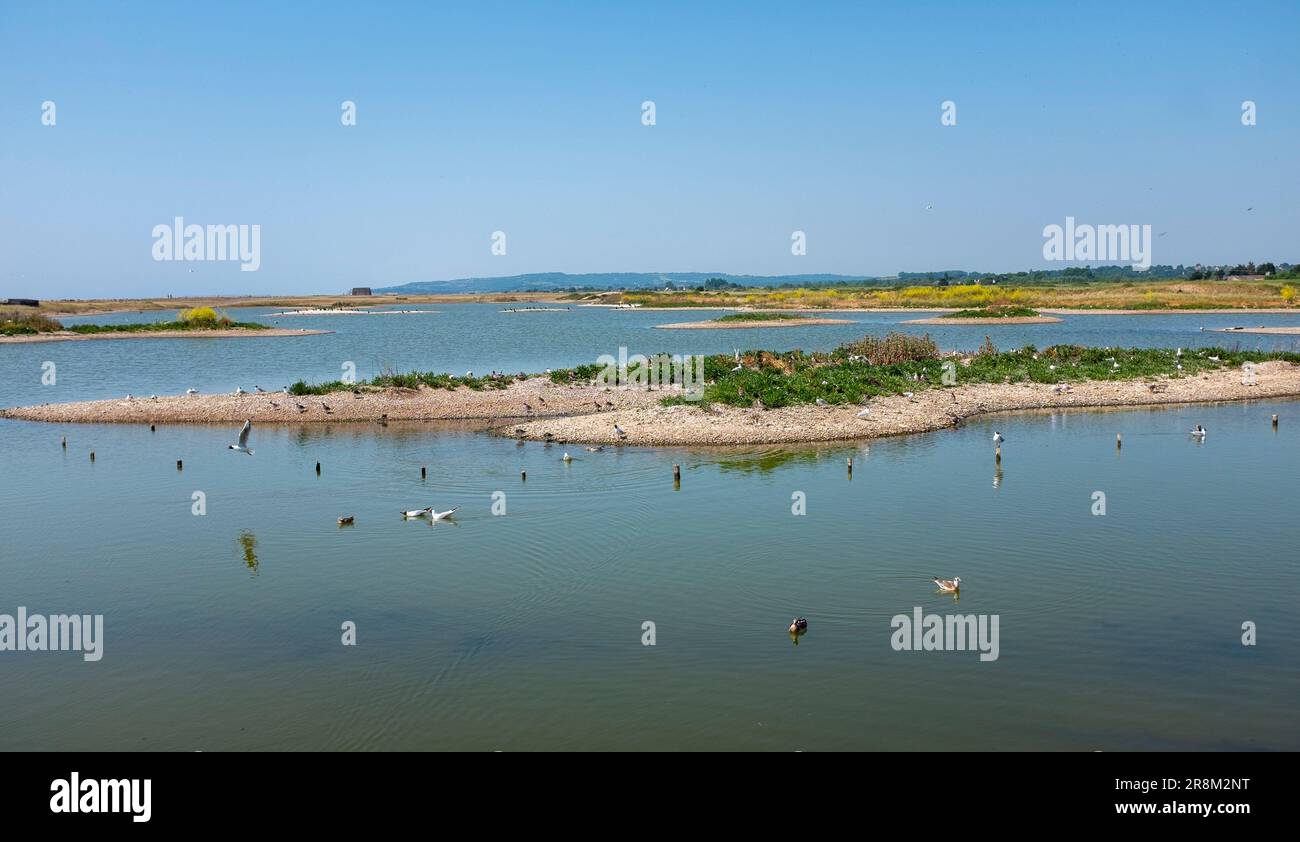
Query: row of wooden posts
(677, 469)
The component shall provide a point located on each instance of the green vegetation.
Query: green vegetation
(904, 363)
(19, 323)
(221, 323)
(1005, 312)
(758, 317)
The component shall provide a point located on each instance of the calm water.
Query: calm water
(523, 631)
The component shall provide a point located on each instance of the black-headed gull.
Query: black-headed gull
(620, 432)
(443, 515)
(949, 585)
(418, 512)
(997, 437)
(1199, 432)
(242, 446)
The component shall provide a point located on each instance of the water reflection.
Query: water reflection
(248, 544)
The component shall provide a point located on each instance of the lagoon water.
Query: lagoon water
(524, 630)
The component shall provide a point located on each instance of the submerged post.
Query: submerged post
(1119, 442)
(317, 469)
(92, 456)
(1275, 422)
(421, 472)
(677, 475)
(523, 476)
(151, 428)
(180, 465)
(997, 454)
(65, 442)
(850, 461)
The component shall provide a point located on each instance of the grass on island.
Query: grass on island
(899, 363)
(13, 323)
(759, 317)
(19, 323)
(1000, 312)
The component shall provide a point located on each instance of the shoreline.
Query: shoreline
(711, 325)
(1010, 320)
(568, 412)
(68, 336)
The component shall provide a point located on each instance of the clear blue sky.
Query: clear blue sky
(526, 118)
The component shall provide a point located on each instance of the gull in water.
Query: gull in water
(948, 585)
(998, 437)
(418, 512)
(242, 446)
(1199, 432)
(442, 515)
(597, 449)
(567, 457)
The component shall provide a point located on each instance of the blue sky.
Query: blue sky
(525, 118)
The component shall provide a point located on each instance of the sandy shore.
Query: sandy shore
(1281, 331)
(1011, 320)
(569, 413)
(711, 325)
(545, 398)
(68, 336)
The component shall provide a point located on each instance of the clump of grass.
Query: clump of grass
(759, 317)
(17, 323)
(993, 313)
(894, 348)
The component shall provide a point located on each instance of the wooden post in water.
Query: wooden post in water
(65, 442)
(180, 466)
(1274, 422)
(997, 453)
(317, 469)
(92, 456)
(850, 461)
(523, 476)
(421, 472)
(677, 475)
(1119, 442)
(151, 428)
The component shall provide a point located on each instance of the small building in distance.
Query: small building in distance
(22, 302)
(361, 291)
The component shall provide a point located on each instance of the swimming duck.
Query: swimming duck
(948, 585)
(798, 625)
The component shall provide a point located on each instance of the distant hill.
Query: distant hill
(552, 281)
